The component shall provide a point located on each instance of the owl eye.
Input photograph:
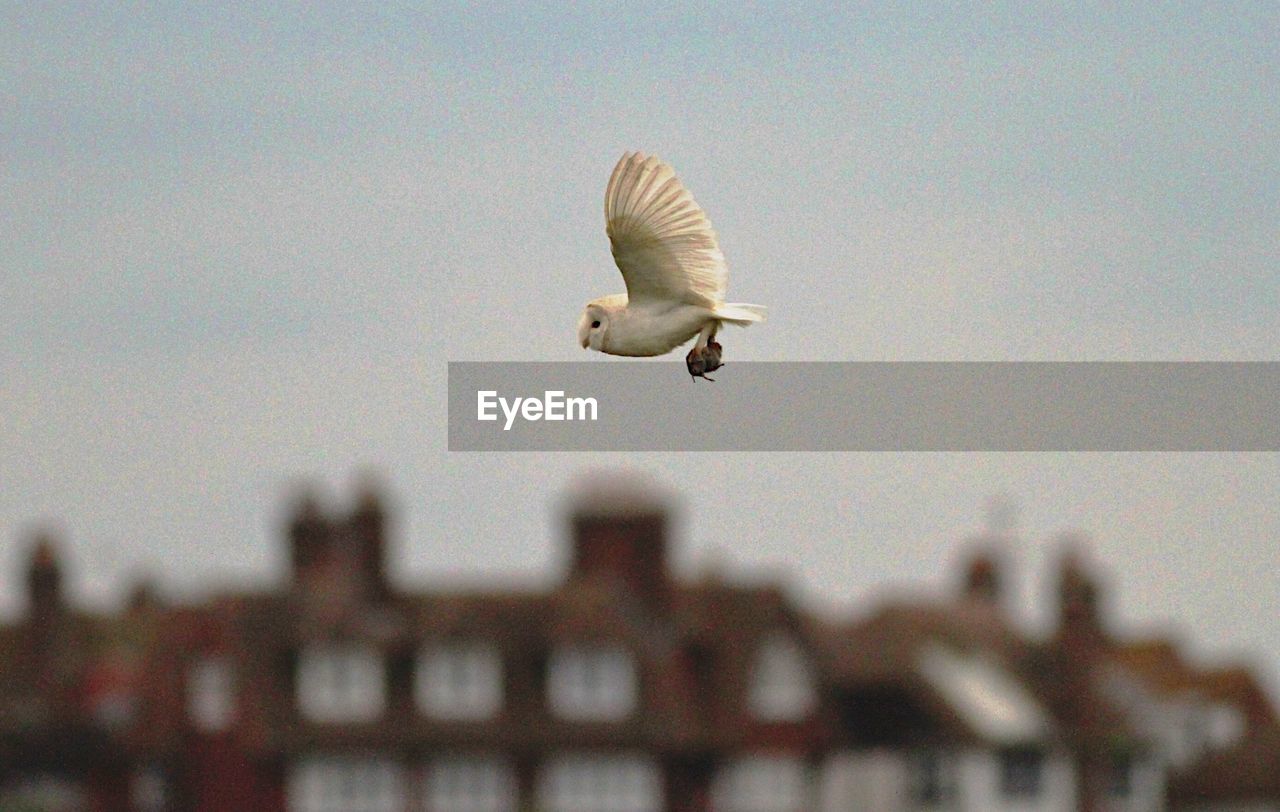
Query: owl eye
(595, 324)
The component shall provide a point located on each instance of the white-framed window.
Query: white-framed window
(931, 779)
(600, 783)
(1021, 773)
(782, 681)
(1120, 776)
(1182, 729)
(763, 783)
(211, 693)
(43, 791)
(341, 683)
(471, 784)
(592, 682)
(115, 706)
(148, 790)
(460, 680)
(1225, 725)
(346, 784)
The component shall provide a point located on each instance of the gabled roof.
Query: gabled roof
(1163, 669)
(1157, 662)
(721, 628)
(887, 644)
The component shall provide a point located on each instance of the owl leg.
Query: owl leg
(705, 355)
(708, 332)
(713, 350)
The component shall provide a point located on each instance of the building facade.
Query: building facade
(621, 689)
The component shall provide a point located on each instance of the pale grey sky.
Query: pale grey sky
(241, 245)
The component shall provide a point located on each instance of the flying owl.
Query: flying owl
(676, 276)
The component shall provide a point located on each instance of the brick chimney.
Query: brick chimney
(366, 539)
(1080, 613)
(983, 579)
(984, 576)
(309, 535)
(619, 532)
(44, 579)
(346, 551)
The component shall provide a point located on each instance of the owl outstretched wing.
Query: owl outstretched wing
(662, 241)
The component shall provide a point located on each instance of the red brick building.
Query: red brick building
(622, 688)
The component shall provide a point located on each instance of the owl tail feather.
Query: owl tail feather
(740, 314)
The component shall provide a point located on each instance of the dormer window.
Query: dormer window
(210, 694)
(592, 682)
(341, 683)
(461, 680)
(782, 683)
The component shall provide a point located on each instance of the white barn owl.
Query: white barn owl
(675, 275)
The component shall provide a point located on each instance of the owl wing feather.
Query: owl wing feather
(661, 239)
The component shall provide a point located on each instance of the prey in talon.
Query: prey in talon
(671, 263)
(700, 361)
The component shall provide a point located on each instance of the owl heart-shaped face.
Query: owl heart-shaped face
(592, 326)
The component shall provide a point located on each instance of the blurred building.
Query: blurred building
(622, 689)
